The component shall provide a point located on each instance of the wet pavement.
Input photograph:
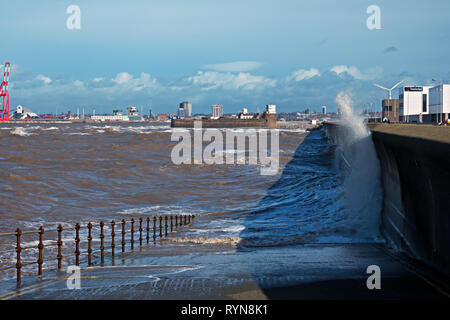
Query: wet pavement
(325, 271)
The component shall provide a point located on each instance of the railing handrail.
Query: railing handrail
(140, 223)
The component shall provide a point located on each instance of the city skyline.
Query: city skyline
(175, 51)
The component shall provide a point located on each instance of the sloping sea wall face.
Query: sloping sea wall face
(415, 177)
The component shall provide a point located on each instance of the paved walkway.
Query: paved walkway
(297, 272)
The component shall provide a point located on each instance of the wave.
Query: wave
(21, 131)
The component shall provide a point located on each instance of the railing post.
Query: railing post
(140, 231)
(113, 244)
(41, 249)
(59, 243)
(77, 244)
(89, 243)
(123, 235)
(18, 261)
(160, 227)
(166, 225)
(102, 244)
(148, 229)
(176, 222)
(185, 219)
(154, 228)
(189, 218)
(171, 223)
(132, 233)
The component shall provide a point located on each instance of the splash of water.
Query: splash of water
(362, 197)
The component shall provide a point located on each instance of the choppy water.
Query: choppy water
(68, 173)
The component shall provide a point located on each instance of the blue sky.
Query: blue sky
(296, 54)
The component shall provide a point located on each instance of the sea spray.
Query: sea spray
(362, 194)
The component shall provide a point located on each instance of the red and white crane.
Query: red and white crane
(4, 94)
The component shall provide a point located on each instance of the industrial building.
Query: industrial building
(390, 110)
(414, 104)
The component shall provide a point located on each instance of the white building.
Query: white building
(271, 108)
(440, 103)
(414, 103)
(186, 106)
(245, 115)
(217, 111)
(103, 118)
(23, 113)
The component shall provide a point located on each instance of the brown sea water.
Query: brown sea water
(55, 174)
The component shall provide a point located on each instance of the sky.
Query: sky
(292, 53)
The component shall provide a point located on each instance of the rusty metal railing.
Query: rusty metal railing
(143, 226)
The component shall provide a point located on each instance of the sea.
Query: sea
(62, 174)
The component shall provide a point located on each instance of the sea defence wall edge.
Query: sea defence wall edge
(415, 176)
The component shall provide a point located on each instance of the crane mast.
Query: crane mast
(4, 94)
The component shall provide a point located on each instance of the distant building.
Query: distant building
(163, 116)
(245, 115)
(390, 110)
(23, 113)
(185, 110)
(133, 114)
(439, 98)
(132, 111)
(414, 104)
(271, 108)
(217, 111)
(116, 116)
(324, 109)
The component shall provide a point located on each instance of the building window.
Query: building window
(424, 103)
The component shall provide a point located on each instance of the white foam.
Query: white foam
(20, 131)
(362, 193)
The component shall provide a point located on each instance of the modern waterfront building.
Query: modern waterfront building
(23, 113)
(439, 103)
(414, 104)
(217, 111)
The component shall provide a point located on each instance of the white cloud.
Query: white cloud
(213, 80)
(355, 73)
(304, 74)
(123, 77)
(238, 66)
(43, 78)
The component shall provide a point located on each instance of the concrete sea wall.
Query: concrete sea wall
(415, 176)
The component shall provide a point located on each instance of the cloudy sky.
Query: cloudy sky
(296, 54)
